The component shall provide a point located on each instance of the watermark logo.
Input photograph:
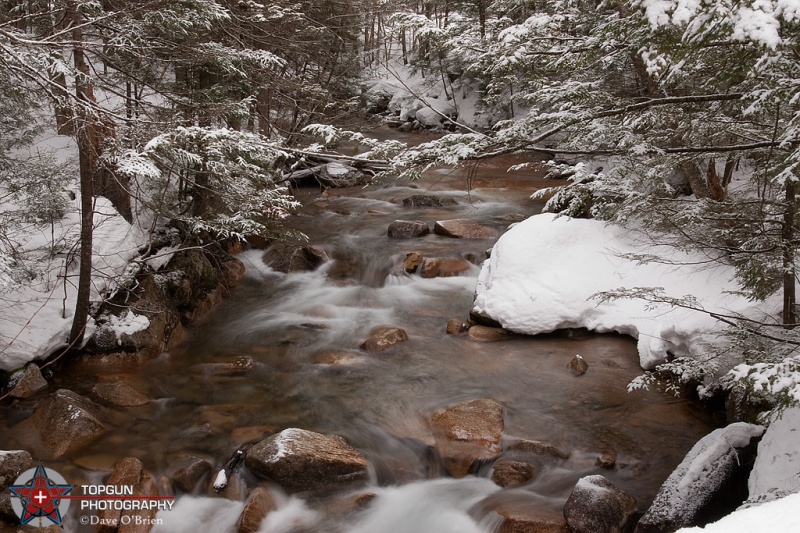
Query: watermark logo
(39, 493)
(46, 495)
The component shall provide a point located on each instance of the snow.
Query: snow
(37, 315)
(776, 472)
(127, 323)
(221, 481)
(779, 516)
(545, 272)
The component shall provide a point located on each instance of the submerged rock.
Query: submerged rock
(524, 520)
(383, 338)
(189, 472)
(462, 228)
(119, 394)
(468, 434)
(407, 229)
(535, 447)
(301, 460)
(597, 506)
(578, 366)
(428, 200)
(706, 468)
(509, 474)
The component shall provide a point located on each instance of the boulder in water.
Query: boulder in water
(407, 229)
(509, 474)
(301, 460)
(444, 267)
(383, 338)
(338, 175)
(428, 200)
(704, 471)
(291, 257)
(468, 434)
(27, 382)
(597, 506)
(258, 505)
(463, 228)
(119, 394)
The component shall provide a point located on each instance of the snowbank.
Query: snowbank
(779, 516)
(37, 316)
(544, 272)
(776, 472)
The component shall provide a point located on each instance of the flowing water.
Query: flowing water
(382, 403)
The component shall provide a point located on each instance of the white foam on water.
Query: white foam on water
(191, 514)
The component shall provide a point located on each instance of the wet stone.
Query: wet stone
(334, 357)
(119, 394)
(28, 382)
(65, 422)
(12, 464)
(444, 267)
(607, 459)
(383, 338)
(463, 228)
(507, 473)
(535, 447)
(289, 257)
(523, 521)
(259, 504)
(301, 460)
(240, 366)
(428, 200)
(456, 326)
(489, 334)
(407, 229)
(189, 472)
(412, 261)
(578, 366)
(130, 472)
(468, 434)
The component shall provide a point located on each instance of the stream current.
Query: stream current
(381, 403)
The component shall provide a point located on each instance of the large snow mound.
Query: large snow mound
(776, 472)
(544, 272)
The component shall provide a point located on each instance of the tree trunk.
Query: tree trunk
(696, 179)
(84, 93)
(789, 286)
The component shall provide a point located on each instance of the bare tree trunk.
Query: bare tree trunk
(696, 179)
(84, 93)
(789, 286)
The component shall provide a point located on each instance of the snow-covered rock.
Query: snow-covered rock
(704, 470)
(776, 472)
(543, 273)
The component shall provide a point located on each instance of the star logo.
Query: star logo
(40, 495)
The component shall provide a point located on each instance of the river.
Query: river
(381, 403)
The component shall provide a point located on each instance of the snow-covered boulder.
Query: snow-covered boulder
(543, 273)
(597, 506)
(776, 472)
(705, 469)
(433, 116)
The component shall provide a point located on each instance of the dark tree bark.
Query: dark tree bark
(789, 284)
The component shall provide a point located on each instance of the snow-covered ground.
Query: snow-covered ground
(779, 516)
(544, 274)
(37, 311)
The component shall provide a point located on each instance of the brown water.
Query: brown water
(381, 403)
